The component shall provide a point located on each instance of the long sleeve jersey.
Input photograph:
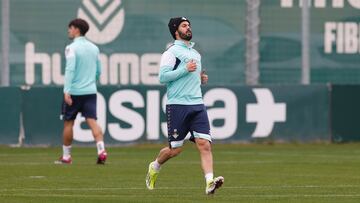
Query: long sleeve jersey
(183, 87)
(83, 67)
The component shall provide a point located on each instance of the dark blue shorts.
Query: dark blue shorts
(182, 119)
(85, 104)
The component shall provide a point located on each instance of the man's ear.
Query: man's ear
(77, 31)
(176, 33)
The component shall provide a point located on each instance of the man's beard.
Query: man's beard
(185, 36)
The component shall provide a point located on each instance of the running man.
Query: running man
(180, 70)
(82, 70)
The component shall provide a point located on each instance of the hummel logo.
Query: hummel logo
(106, 19)
(265, 113)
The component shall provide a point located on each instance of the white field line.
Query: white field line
(137, 162)
(257, 196)
(179, 188)
(241, 153)
(283, 174)
(44, 154)
(184, 163)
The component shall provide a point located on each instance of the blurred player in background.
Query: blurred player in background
(180, 70)
(82, 70)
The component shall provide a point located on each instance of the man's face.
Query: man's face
(184, 31)
(72, 32)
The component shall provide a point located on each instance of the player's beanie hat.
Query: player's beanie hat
(174, 24)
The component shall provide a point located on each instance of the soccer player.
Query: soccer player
(82, 70)
(180, 70)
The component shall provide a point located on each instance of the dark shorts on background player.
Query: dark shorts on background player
(182, 119)
(84, 104)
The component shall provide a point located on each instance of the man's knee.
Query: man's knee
(68, 123)
(203, 144)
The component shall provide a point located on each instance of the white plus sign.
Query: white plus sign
(265, 112)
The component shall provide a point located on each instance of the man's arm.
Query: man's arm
(167, 72)
(98, 68)
(69, 73)
(204, 77)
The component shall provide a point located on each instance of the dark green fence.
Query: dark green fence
(131, 114)
(41, 115)
(345, 113)
(10, 108)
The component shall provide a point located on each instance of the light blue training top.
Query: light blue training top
(183, 87)
(83, 67)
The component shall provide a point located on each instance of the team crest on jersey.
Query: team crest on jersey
(175, 134)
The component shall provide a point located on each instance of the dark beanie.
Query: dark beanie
(174, 24)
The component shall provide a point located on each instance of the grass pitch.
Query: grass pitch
(253, 173)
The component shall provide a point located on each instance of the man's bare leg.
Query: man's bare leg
(67, 140)
(99, 139)
(206, 157)
(164, 155)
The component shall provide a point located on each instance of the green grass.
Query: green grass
(253, 173)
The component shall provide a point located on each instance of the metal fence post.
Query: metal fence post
(5, 39)
(252, 42)
(305, 27)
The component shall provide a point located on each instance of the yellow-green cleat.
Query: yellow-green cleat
(213, 185)
(151, 177)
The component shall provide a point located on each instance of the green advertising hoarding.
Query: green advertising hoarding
(135, 114)
(236, 113)
(334, 41)
(130, 34)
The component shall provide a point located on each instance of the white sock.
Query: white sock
(209, 177)
(66, 152)
(156, 165)
(100, 147)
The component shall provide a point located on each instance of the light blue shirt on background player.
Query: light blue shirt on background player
(83, 67)
(183, 87)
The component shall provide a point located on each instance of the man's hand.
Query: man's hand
(67, 99)
(204, 77)
(191, 66)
